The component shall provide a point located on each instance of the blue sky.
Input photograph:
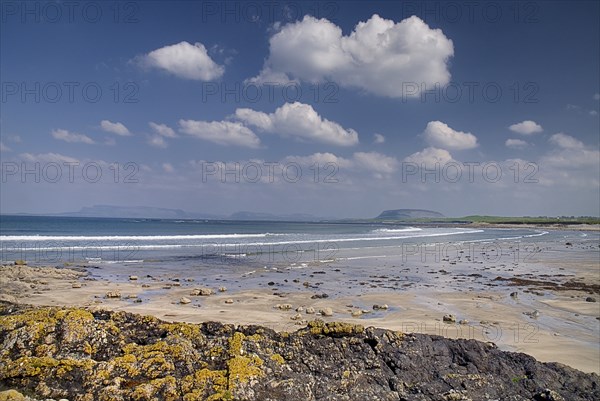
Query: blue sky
(401, 104)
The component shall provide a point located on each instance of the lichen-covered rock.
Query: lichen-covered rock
(86, 355)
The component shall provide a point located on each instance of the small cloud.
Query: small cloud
(71, 137)
(593, 113)
(429, 157)
(168, 168)
(4, 148)
(300, 121)
(440, 135)
(115, 128)
(157, 141)
(47, 158)
(378, 138)
(376, 162)
(184, 60)
(516, 143)
(566, 141)
(163, 129)
(109, 141)
(596, 96)
(220, 132)
(526, 127)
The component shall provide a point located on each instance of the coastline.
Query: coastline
(541, 307)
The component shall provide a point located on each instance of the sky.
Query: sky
(335, 109)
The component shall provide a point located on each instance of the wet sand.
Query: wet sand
(559, 283)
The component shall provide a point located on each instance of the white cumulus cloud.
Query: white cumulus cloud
(4, 148)
(566, 141)
(220, 132)
(440, 135)
(376, 162)
(526, 127)
(515, 143)
(115, 128)
(184, 60)
(157, 141)
(430, 157)
(71, 137)
(379, 56)
(378, 138)
(300, 121)
(162, 129)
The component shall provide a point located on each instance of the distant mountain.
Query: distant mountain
(273, 217)
(136, 212)
(164, 213)
(403, 214)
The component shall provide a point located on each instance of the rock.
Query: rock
(380, 307)
(534, 315)
(202, 292)
(319, 296)
(123, 356)
(229, 301)
(310, 310)
(185, 301)
(463, 321)
(514, 294)
(284, 306)
(297, 316)
(326, 312)
(590, 299)
(132, 296)
(145, 285)
(133, 278)
(548, 395)
(11, 395)
(222, 289)
(271, 283)
(300, 309)
(76, 285)
(449, 318)
(137, 301)
(20, 262)
(357, 313)
(113, 294)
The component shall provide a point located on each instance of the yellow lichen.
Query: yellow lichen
(278, 358)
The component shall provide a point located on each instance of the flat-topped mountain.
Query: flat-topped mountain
(400, 214)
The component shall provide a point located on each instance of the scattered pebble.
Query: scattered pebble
(357, 313)
(185, 300)
(229, 301)
(113, 294)
(310, 310)
(222, 289)
(133, 278)
(76, 285)
(380, 307)
(590, 299)
(202, 291)
(283, 306)
(326, 312)
(449, 318)
(463, 321)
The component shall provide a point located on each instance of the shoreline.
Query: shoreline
(564, 330)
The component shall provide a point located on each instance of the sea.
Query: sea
(57, 240)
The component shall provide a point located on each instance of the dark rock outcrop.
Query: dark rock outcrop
(98, 355)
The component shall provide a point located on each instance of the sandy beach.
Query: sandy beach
(545, 307)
